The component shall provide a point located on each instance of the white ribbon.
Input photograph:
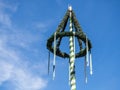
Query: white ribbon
(85, 72)
(54, 60)
(91, 71)
(87, 54)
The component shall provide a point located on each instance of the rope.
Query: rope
(72, 57)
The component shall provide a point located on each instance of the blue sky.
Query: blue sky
(25, 26)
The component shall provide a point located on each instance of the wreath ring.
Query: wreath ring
(59, 53)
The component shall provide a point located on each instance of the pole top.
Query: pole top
(70, 8)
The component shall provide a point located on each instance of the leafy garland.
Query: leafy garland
(60, 33)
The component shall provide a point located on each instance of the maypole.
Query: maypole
(53, 44)
(72, 54)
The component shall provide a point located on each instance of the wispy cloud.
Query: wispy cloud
(5, 17)
(10, 7)
(43, 26)
(26, 81)
(15, 69)
(14, 66)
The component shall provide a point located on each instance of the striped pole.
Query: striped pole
(72, 56)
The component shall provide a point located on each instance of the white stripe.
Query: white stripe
(71, 44)
(70, 24)
(72, 53)
(72, 65)
(72, 49)
(72, 59)
(73, 81)
(73, 87)
(70, 39)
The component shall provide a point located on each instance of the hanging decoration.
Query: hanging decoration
(75, 32)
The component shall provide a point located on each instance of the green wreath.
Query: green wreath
(60, 35)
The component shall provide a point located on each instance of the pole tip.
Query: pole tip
(70, 8)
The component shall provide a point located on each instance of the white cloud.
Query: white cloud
(14, 67)
(41, 25)
(5, 70)
(4, 6)
(25, 81)
(4, 17)
(44, 25)
(20, 78)
(22, 39)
